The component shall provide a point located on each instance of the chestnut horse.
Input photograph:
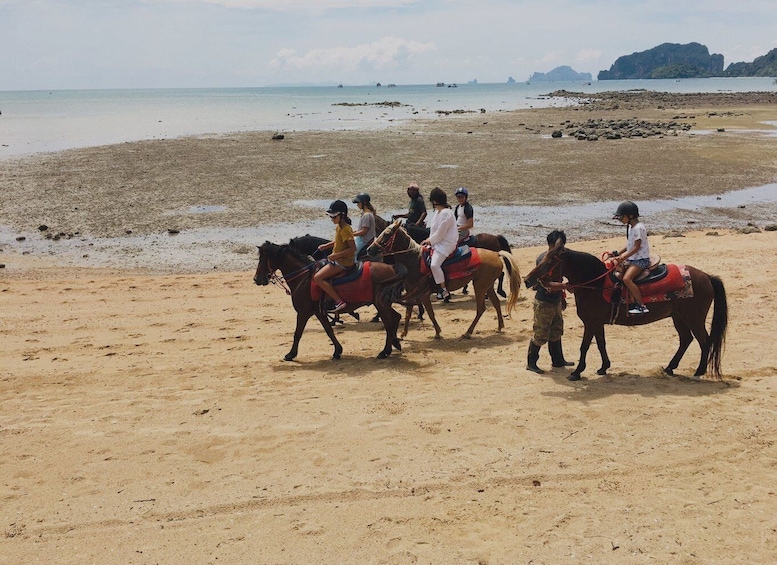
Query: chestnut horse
(395, 242)
(481, 240)
(586, 275)
(297, 271)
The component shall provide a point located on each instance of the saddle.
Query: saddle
(461, 263)
(662, 283)
(353, 285)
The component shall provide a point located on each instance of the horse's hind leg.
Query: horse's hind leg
(701, 335)
(686, 337)
(500, 289)
(391, 319)
(601, 344)
(495, 301)
(480, 300)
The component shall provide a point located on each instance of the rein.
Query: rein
(284, 280)
(586, 284)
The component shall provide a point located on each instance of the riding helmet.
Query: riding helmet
(363, 198)
(626, 209)
(337, 207)
(462, 190)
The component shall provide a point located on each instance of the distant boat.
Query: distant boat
(377, 84)
(440, 84)
(454, 85)
(391, 85)
(340, 85)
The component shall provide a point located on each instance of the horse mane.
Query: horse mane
(588, 267)
(412, 244)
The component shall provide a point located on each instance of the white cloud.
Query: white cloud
(387, 52)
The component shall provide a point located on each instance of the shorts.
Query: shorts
(641, 263)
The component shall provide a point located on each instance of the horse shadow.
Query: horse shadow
(353, 365)
(652, 384)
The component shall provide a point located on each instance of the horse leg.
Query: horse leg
(686, 337)
(499, 289)
(321, 315)
(495, 301)
(588, 335)
(406, 327)
(480, 301)
(391, 321)
(427, 304)
(701, 335)
(302, 320)
(601, 344)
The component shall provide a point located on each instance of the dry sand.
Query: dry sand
(149, 418)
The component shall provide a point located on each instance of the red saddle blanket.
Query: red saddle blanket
(458, 268)
(356, 290)
(676, 284)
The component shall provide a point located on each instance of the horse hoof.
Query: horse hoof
(437, 336)
(669, 372)
(383, 354)
(466, 336)
(288, 357)
(601, 372)
(397, 344)
(573, 377)
(502, 294)
(335, 356)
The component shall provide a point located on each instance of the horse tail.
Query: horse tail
(503, 244)
(515, 278)
(719, 325)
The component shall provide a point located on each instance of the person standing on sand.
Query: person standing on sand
(416, 210)
(549, 305)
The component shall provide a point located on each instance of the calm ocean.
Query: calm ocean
(42, 121)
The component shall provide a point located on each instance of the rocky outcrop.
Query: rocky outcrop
(563, 73)
(668, 60)
(763, 66)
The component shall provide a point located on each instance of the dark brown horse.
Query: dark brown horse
(396, 242)
(586, 275)
(481, 240)
(297, 271)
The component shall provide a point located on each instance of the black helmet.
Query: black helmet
(461, 190)
(626, 209)
(337, 207)
(363, 198)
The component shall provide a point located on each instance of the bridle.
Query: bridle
(390, 243)
(556, 261)
(284, 280)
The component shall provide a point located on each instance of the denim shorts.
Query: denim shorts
(641, 263)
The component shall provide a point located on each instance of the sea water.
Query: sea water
(54, 120)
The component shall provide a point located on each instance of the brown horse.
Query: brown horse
(298, 271)
(394, 241)
(480, 240)
(586, 275)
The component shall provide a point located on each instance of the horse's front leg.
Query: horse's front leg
(321, 315)
(602, 345)
(588, 335)
(302, 320)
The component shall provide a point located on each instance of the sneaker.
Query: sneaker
(339, 307)
(638, 309)
(443, 295)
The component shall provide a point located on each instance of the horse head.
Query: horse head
(542, 271)
(383, 240)
(263, 269)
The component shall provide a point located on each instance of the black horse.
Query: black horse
(586, 275)
(297, 270)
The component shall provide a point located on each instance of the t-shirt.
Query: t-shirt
(638, 231)
(366, 221)
(415, 209)
(463, 213)
(556, 276)
(343, 234)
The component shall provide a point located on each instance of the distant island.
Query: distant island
(563, 73)
(692, 60)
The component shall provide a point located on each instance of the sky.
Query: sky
(76, 44)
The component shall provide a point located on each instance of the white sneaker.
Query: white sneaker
(638, 309)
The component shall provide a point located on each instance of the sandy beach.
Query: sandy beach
(147, 415)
